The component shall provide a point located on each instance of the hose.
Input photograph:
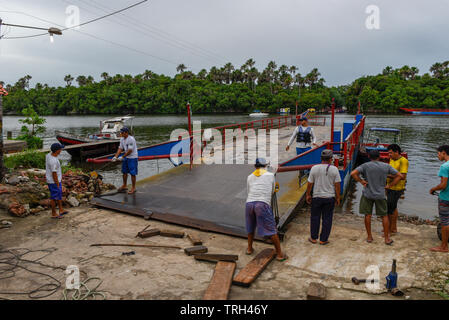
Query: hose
(83, 292)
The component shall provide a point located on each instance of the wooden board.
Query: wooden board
(195, 250)
(172, 234)
(254, 268)
(196, 241)
(216, 257)
(221, 281)
(148, 233)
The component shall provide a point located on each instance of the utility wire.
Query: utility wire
(98, 38)
(157, 31)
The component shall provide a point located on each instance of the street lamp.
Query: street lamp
(52, 31)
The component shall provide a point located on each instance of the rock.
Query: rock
(36, 172)
(17, 209)
(37, 210)
(6, 223)
(316, 291)
(14, 180)
(27, 207)
(73, 201)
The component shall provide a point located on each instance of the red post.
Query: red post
(189, 111)
(332, 119)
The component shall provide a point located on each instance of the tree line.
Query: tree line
(230, 89)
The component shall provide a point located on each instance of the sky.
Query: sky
(331, 35)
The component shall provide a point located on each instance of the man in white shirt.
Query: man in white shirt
(53, 176)
(325, 180)
(258, 212)
(129, 159)
(304, 135)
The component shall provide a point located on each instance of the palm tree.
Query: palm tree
(313, 77)
(181, 68)
(202, 74)
(68, 78)
(227, 72)
(105, 76)
(82, 80)
(147, 75)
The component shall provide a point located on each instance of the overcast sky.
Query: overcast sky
(328, 34)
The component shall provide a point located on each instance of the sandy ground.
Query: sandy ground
(171, 274)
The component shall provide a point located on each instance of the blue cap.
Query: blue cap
(261, 162)
(124, 129)
(56, 146)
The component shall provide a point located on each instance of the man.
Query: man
(260, 187)
(443, 199)
(374, 185)
(129, 159)
(325, 180)
(394, 193)
(305, 137)
(53, 175)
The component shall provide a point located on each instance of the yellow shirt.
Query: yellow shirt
(402, 166)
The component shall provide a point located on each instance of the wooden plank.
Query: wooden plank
(254, 268)
(214, 257)
(196, 241)
(148, 233)
(172, 234)
(195, 250)
(221, 281)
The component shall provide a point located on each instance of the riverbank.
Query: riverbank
(170, 274)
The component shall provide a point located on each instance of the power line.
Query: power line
(137, 27)
(99, 38)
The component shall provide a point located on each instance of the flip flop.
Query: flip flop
(57, 217)
(312, 241)
(369, 241)
(122, 189)
(389, 243)
(323, 243)
(249, 253)
(285, 257)
(63, 213)
(129, 192)
(438, 249)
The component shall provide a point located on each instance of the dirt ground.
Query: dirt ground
(171, 274)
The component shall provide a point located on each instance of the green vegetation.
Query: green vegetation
(27, 159)
(33, 126)
(231, 89)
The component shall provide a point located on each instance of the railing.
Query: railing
(351, 141)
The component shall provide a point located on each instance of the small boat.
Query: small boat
(109, 130)
(426, 112)
(258, 113)
(373, 141)
(284, 111)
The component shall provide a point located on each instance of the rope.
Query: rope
(83, 292)
(274, 206)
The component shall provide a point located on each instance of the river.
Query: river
(420, 136)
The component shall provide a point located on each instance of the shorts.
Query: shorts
(130, 166)
(55, 192)
(393, 197)
(302, 150)
(443, 210)
(259, 214)
(366, 206)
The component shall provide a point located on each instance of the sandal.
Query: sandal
(369, 240)
(312, 241)
(389, 243)
(323, 243)
(249, 252)
(284, 257)
(132, 192)
(63, 213)
(122, 189)
(57, 217)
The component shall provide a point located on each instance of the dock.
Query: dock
(212, 197)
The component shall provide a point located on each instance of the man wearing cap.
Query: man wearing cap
(258, 212)
(325, 180)
(129, 159)
(305, 137)
(375, 175)
(53, 175)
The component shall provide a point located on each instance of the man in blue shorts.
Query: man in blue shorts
(258, 213)
(443, 199)
(129, 159)
(53, 175)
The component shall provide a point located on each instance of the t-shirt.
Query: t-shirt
(324, 177)
(260, 188)
(52, 165)
(400, 165)
(302, 144)
(129, 144)
(375, 172)
(444, 172)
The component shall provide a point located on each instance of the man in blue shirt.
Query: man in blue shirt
(443, 200)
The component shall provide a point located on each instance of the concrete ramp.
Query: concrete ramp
(209, 197)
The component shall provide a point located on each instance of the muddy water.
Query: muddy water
(420, 136)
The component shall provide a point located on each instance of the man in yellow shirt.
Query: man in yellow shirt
(394, 193)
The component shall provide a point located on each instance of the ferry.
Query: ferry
(426, 112)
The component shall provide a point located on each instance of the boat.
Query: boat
(109, 131)
(284, 111)
(258, 113)
(373, 141)
(426, 112)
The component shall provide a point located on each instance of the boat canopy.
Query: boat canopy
(385, 130)
(118, 119)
